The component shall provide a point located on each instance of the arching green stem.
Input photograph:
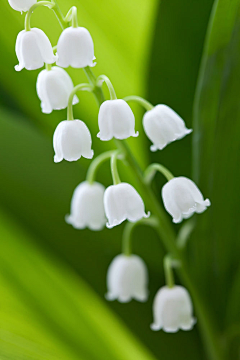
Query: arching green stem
(86, 87)
(72, 16)
(152, 169)
(96, 163)
(114, 170)
(184, 233)
(112, 93)
(128, 230)
(49, 4)
(146, 104)
(168, 270)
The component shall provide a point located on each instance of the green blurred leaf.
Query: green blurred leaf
(48, 312)
(215, 249)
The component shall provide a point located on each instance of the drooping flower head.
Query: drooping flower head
(116, 119)
(87, 208)
(182, 198)
(162, 126)
(71, 140)
(127, 279)
(172, 310)
(75, 48)
(33, 49)
(122, 202)
(54, 88)
(21, 5)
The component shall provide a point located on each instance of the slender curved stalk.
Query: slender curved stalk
(128, 230)
(86, 87)
(168, 236)
(153, 168)
(49, 4)
(146, 104)
(114, 169)
(168, 270)
(96, 163)
(112, 93)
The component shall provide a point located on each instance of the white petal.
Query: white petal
(21, 5)
(162, 125)
(172, 310)
(54, 88)
(71, 140)
(33, 48)
(127, 279)
(123, 202)
(75, 48)
(182, 199)
(116, 119)
(87, 207)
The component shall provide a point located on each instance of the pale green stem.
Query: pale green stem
(184, 233)
(168, 270)
(48, 67)
(146, 104)
(86, 87)
(153, 168)
(49, 4)
(168, 236)
(112, 93)
(114, 170)
(128, 230)
(96, 163)
(72, 16)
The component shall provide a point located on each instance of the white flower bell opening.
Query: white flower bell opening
(75, 48)
(182, 198)
(54, 88)
(172, 310)
(127, 279)
(21, 5)
(116, 119)
(71, 140)
(122, 202)
(33, 49)
(162, 126)
(87, 208)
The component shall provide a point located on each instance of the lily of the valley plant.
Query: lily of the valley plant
(93, 206)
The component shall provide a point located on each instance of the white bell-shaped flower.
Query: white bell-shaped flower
(162, 126)
(182, 198)
(21, 5)
(75, 48)
(116, 119)
(33, 49)
(87, 208)
(71, 140)
(127, 279)
(54, 88)
(122, 202)
(172, 310)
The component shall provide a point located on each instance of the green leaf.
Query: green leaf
(48, 312)
(215, 249)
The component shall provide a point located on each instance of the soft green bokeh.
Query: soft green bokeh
(52, 277)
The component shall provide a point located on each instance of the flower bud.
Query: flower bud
(54, 88)
(33, 49)
(71, 140)
(172, 310)
(75, 48)
(182, 198)
(127, 279)
(123, 202)
(162, 125)
(116, 119)
(21, 5)
(87, 208)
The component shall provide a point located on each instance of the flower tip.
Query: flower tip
(147, 215)
(155, 327)
(57, 159)
(207, 202)
(136, 134)
(153, 148)
(18, 68)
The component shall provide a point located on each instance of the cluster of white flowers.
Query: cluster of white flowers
(92, 205)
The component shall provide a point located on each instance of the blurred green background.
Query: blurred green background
(52, 277)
